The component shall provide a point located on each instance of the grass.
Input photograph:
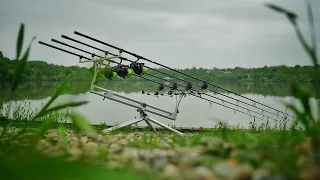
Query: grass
(278, 151)
(291, 152)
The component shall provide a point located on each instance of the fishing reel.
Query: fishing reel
(205, 85)
(138, 68)
(123, 71)
(109, 73)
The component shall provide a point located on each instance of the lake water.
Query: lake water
(194, 112)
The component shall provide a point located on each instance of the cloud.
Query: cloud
(176, 33)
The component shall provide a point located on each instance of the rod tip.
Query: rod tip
(76, 32)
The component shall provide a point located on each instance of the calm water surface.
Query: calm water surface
(194, 112)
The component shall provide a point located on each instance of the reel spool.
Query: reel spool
(204, 85)
(121, 71)
(138, 68)
(124, 71)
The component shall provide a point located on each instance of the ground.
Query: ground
(213, 154)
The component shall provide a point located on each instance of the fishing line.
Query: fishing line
(143, 58)
(216, 92)
(193, 94)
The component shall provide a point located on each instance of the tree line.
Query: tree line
(43, 71)
(280, 73)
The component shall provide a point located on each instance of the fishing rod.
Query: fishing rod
(143, 58)
(223, 101)
(189, 86)
(210, 101)
(204, 86)
(186, 87)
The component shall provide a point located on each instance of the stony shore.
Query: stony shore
(166, 155)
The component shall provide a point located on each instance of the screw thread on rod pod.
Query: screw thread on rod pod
(141, 57)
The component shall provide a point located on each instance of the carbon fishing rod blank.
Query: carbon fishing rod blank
(134, 66)
(143, 58)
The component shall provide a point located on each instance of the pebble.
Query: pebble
(170, 171)
(91, 149)
(223, 170)
(212, 159)
(115, 148)
(203, 172)
(43, 144)
(99, 137)
(84, 140)
(140, 166)
(158, 162)
(130, 154)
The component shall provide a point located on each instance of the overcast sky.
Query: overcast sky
(180, 34)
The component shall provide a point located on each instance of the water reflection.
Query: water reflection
(194, 112)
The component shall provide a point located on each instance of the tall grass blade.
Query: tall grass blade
(301, 117)
(57, 93)
(19, 41)
(292, 18)
(59, 107)
(279, 9)
(20, 68)
(312, 31)
(302, 95)
(44, 112)
(81, 124)
(41, 130)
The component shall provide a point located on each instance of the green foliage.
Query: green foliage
(305, 116)
(21, 64)
(81, 124)
(280, 73)
(42, 71)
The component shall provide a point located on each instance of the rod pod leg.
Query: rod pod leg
(164, 126)
(127, 123)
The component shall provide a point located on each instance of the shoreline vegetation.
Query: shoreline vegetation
(43, 71)
(41, 148)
